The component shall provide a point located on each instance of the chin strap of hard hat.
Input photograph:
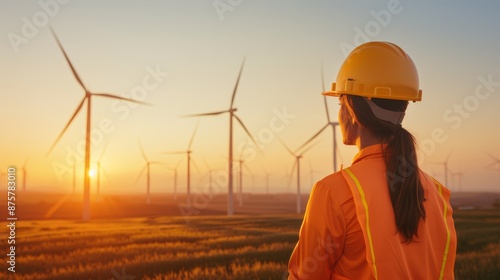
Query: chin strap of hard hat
(386, 115)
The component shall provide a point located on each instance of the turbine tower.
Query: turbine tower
(232, 116)
(240, 177)
(460, 175)
(99, 168)
(24, 174)
(188, 153)
(175, 178)
(267, 178)
(87, 97)
(296, 164)
(210, 175)
(495, 161)
(147, 167)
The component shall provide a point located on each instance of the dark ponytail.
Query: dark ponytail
(405, 188)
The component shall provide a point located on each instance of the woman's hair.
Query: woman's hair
(405, 188)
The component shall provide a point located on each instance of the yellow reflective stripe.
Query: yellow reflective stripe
(365, 204)
(448, 237)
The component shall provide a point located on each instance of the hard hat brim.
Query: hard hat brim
(331, 93)
(395, 97)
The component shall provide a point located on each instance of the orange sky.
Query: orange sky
(184, 59)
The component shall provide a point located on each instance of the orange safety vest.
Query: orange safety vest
(430, 256)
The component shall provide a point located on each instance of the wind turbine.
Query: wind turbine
(240, 177)
(267, 179)
(99, 168)
(232, 115)
(188, 153)
(445, 164)
(458, 174)
(175, 178)
(210, 174)
(147, 167)
(24, 174)
(74, 178)
(87, 97)
(311, 172)
(328, 123)
(288, 177)
(495, 161)
(297, 163)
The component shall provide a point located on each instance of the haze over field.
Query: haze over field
(184, 57)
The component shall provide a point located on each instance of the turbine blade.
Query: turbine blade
(178, 163)
(324, 97)
(291, 174)
(237, 82)
(194, 133)
(449, 155)
(248, 132)
(322, 78)
(104, 149)
(265, 171)
(313, 137)
(142, 151)
(290, 151)
(205, 161)
(241, 152)
(175, 153)
(67, 59)
(104, 172)
(491, 156)
(489, 166)
(157, 162)
(206, 114)
(26, 161)
(248, 169)
(326, 109)
(140, 174)
(195, 165)
(121, 98)
(308, 148)
(67, 125)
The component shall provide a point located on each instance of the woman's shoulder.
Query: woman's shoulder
(334, 185)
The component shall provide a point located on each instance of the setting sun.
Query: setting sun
(92, 172)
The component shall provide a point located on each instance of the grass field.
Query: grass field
(209, 247)
(478, 255)
(203, 247)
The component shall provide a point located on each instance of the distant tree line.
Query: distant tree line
(496, 204)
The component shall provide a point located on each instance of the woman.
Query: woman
(382, 217)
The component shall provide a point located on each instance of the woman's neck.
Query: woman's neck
(366, 139)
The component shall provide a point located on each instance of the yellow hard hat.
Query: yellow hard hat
(379, 70)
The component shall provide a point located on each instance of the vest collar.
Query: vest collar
(370, 152)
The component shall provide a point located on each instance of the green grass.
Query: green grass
(478, 250)
(209, 247)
